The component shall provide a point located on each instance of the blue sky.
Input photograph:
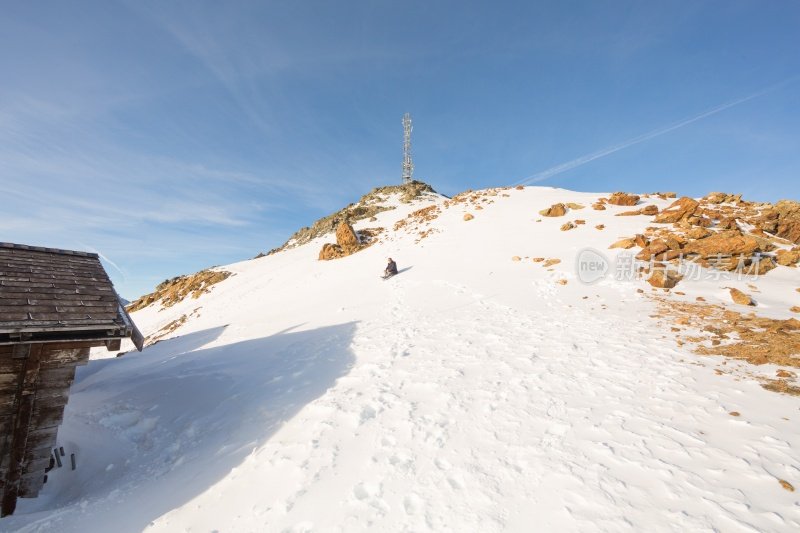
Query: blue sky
(172, 136)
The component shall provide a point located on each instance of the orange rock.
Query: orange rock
(698, 233)
(623, 243)
(600, 226)
(729, 242)
(787, 257)
(664, 279)
(346, 236)
(555, 210)
(740, 298)
(467, 217)
(598, 207)
(654, 248)
(330, 251)
(568, 226)
(621, 198)
(679, 209)
(728, 223)
(788, 220)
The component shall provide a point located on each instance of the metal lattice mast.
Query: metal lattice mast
(408, 165)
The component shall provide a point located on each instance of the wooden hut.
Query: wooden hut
(54, 306)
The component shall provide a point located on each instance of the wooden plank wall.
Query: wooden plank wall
(34, 389)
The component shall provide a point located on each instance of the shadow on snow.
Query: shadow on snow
(154, 430)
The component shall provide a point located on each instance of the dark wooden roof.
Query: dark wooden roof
(60, 293)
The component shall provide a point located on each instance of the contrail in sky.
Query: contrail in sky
(569, 165)
(107, 260)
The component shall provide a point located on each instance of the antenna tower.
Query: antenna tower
(408, 165)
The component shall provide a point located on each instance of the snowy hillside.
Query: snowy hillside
(485, 388)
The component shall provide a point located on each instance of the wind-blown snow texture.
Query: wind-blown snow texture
(469, 393)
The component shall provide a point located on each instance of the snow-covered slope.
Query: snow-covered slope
(471, 392)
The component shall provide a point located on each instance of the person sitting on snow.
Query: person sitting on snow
(391, 269)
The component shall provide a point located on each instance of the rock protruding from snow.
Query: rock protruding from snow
(783, 220)
(680, 209)
(740, 297)
(555, 210)
(347, 243)
(623, 198)
(367, 207)
(175, 290)
(663, 279)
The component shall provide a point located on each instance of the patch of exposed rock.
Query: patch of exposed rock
(555, 210)
(366, 208)
(623, 198)
(717, 330)
(348, 242)
(172, 291)
(680, 209)
(782, 220)
(740, 297)
(663, 278)
(650, 210)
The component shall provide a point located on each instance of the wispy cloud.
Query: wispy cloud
(582, 160)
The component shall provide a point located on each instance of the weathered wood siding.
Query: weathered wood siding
(34, 388)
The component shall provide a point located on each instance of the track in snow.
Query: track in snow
(457, 421)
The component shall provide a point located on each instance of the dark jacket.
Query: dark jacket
(391, 268)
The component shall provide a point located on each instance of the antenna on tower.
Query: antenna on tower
(408, 165)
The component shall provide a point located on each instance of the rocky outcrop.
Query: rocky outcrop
(722, 198)
(788, 220)
(680, 209)
(172, 291)
(367, 207)
(729, 242)
(622, 198)
(555, 210)
(346, 236)
(347, 243)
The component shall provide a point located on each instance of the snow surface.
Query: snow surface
(469, 393)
